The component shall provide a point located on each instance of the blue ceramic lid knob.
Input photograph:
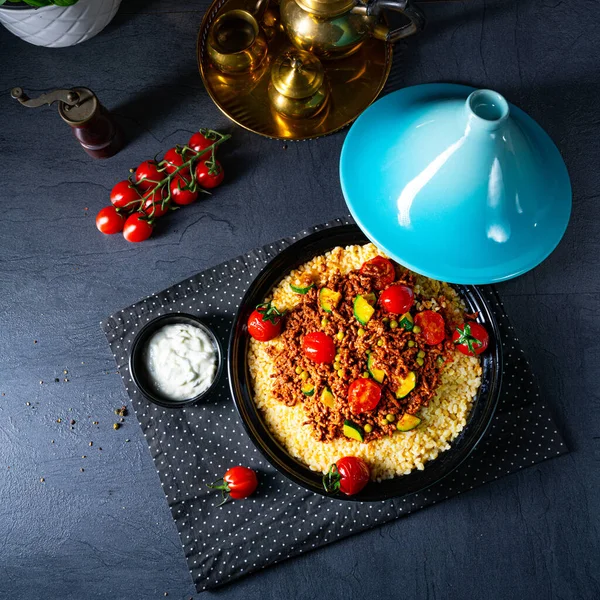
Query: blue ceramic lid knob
(456, 183)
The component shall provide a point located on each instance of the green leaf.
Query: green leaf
(64, 2)
(38, 3)
(2, 2)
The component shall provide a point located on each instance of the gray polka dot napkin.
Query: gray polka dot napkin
(196, 445)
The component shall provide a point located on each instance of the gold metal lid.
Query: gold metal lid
(297, 74)
(326, 8)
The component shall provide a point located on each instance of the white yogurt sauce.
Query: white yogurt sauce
(181, 360)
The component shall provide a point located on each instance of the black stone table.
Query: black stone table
(98, 527)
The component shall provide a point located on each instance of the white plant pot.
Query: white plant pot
(57, 26)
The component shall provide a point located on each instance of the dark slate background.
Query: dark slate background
(106, 532)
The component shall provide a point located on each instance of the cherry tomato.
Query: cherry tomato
(471, 339)
(319, 347)
(200, 142)
(397, 299)
(209, 177)
(264, 323)
(363, 395)
(348, 475)
(153, 204)
(237, 483)
(137, 228)
(381, 269)
(182, 196)
(125, 196)
(147, 174)
(110, 221)
(173, 159)
(432, 326)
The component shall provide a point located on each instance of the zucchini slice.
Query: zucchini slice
(327, 398)
(407, 422)
(353, 431)
(406, 321)
(308, 389)
(301, 289)
(407, 385)
(363, 311)
(328, 299)
(371, 298)
(377, 374)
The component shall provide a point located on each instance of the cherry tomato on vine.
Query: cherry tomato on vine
(182, 196)
(363, 395)
(237, 483)
(208, 176)
(264, 323)
(348, 475)
(174, 158)
(147, 174)
(319, 347)
(109, 220)
(200, 142)
(471, 339)
(153, 204)
(432, 326)
(125, 196)
(137, 228)
(381, 269)
(397, 299)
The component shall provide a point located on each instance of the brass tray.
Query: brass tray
(355, 82)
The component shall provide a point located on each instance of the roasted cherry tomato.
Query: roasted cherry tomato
(319, 347)
(397, 299)
(432, 326)
(471, 339)
(174, 158)
(363, 395)
(209, 176)
(125, 196)
(348, 475)
(137, 228)
(237, 483)
(200, 142)
(153, 204)
(110, 221)
(179, 194)
(381, 269)
(147, 175)
(264, 323)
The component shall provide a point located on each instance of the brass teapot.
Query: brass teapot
(337, 28)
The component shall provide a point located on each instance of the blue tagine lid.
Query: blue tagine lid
(455, 183)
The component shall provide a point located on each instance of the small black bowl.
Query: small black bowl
(479, 419)
(138, 370)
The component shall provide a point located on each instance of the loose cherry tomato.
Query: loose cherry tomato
(137, 228)
(237, 483)
(147, 175)
(319, 347)
(432, 326)
(363, 395)
(381, 269)
(209, 176)
(348, 475)
(125, 196)
(154, 206)
(199, 142)
(109, 220)
(264, 323)
(174, 158)
(182, 196)
(472, 339)
(397, 299)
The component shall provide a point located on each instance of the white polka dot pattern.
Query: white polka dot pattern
(194, 446)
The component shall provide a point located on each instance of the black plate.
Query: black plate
(479, 419)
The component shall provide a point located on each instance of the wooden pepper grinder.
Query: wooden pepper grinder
(93, 126)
